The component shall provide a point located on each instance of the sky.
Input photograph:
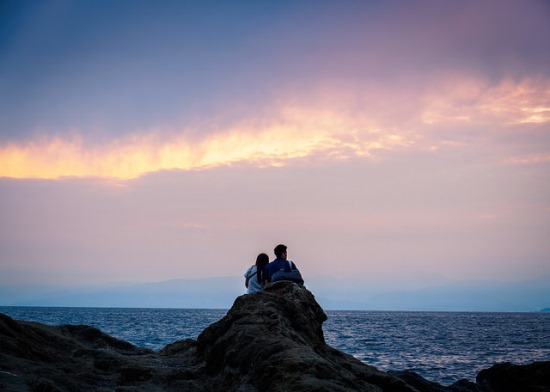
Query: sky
(390, 143)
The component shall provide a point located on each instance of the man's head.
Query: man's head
(280, 251)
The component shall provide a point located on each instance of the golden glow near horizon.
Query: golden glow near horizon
(291, 134)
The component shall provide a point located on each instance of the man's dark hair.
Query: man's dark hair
(279, 249)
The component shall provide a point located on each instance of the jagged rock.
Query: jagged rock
(39, 357)
(506, 377)
(423, 385)
(271, 341)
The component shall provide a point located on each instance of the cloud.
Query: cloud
(294, 134)
(530, 159)
(466, 99)
(334, 122)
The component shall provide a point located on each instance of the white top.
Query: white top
(253, 284)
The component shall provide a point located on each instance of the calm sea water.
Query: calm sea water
(440, 346)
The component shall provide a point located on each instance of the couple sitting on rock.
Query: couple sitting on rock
(264, 272)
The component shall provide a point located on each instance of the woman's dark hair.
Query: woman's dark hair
(261, 261)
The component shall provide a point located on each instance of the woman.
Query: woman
(254, 276)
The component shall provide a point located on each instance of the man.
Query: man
(278, 264)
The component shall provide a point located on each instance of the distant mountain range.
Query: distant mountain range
(211, 293)
(220, 292)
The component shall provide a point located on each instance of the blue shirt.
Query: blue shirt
(276, 265)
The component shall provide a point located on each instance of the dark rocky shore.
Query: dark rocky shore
(269, 341)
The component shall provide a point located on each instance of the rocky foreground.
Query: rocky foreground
(269, 341)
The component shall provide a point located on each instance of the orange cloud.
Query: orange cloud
(466, 100)
(294, 134)
(352, 125)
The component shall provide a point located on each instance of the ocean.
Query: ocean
(441, 346)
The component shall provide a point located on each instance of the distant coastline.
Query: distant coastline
(332, 294)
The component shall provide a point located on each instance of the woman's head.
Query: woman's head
(261, 261)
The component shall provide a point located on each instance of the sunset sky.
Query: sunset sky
(389, 142)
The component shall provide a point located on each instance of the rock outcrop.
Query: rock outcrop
(268, 341)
